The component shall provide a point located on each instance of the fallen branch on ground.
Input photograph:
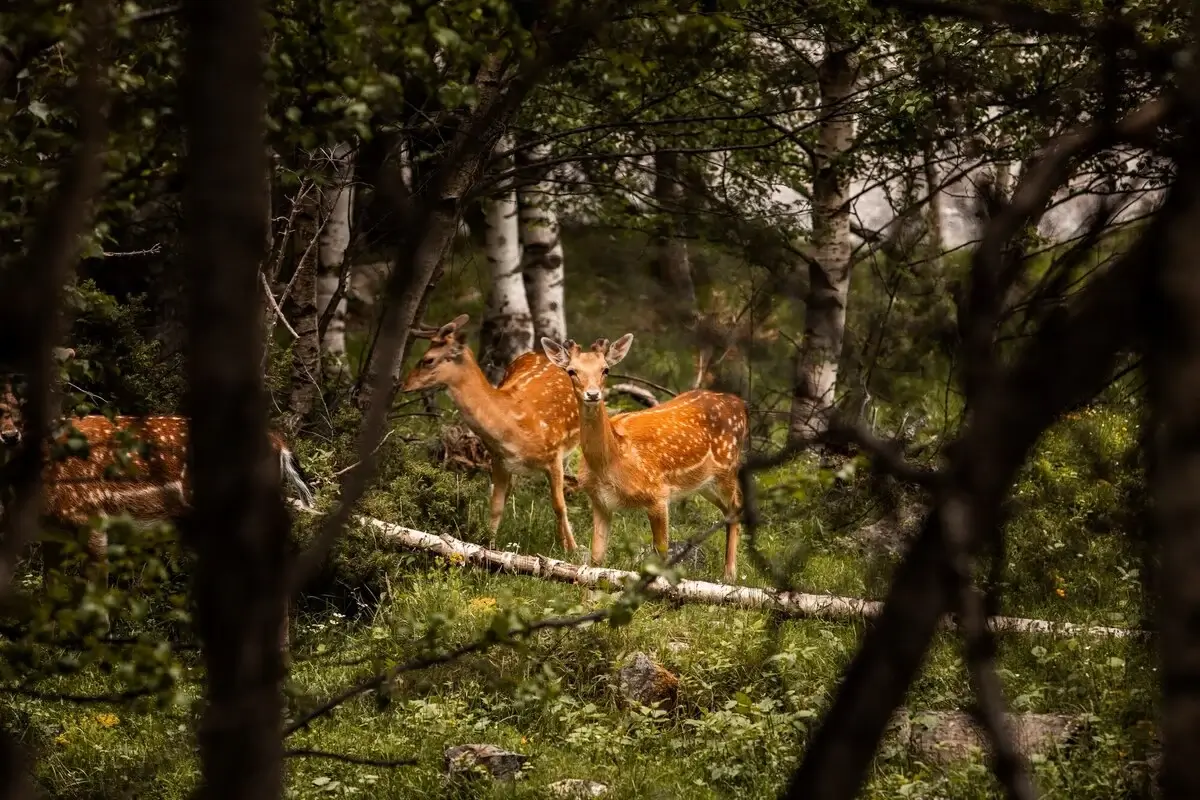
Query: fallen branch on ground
(642, 396)
(798, 604)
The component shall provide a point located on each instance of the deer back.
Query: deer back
(683, 443)
(541, 394)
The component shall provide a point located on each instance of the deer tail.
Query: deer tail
(289, 465)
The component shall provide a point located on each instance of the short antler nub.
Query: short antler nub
(600, 346)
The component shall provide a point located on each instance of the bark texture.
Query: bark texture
(672, 264)
(306, 350)
(541, 254)
(829, 274)
(794, 604)
(239, 524)
(1172, 354)
(507, 329)
(337, 199)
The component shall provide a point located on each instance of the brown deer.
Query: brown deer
(115, 478)
(645, 459)
(528, 423)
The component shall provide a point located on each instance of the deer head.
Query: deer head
(443, 358)
(10, 416)
(587, 369)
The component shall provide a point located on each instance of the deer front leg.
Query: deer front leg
(559, 501)
(601, 518)
(728, 498)
(500, 482)
(659, 518)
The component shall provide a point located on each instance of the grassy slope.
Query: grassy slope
(750, 688)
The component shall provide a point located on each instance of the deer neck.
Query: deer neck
(597, 440)
(483, 406)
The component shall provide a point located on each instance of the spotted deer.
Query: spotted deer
(115, 478)
(645, 459)
(528, 423)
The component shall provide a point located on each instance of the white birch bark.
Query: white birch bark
(337, 199)
(829, 274)
(793, 604)
(507, 329)
(542, 255)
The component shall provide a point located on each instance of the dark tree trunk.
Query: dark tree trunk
(239, 525)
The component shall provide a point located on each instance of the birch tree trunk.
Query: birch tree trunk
(672, 266)
(306, 350)
(829, 273)
(336, 207)
(934, 219)
(507, 329)
(541, 255)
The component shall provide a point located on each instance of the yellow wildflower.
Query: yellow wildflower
(482, 603)
(61, 740)
(1060, 592)
(107, 720)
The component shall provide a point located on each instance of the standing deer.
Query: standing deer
(114, 478)
(527, 423)
(646, 459)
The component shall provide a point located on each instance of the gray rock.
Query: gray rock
(468, 759)
(642, 681)
(573, 788)
(943, 737)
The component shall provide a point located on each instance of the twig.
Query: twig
(644, 382)
(277, 311)
(150, 251)
(344, 470)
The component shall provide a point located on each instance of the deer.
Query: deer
(646, 459)
(528, 422)
(115, 478)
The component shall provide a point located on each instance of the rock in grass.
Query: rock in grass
(469, 759)
(943, 737)
(642, 681)
(575, 788)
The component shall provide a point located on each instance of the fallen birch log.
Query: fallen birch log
(797, 604)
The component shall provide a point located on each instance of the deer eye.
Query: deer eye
(426, 362)
(571, 372)
(604, 371)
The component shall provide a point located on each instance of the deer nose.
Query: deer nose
(591, 395)
(10, 437)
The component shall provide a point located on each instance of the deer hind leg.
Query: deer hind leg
(660, 516)
(727, 496)
(501, 479)
(559, 501)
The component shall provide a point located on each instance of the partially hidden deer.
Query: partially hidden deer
(115, 478)
(691, 444)
(528, 423)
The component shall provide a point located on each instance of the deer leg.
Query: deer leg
(559, 501)
(659, 517)
(500, 483)
(728, 498)
(601, 518)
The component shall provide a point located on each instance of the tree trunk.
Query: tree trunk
(507, 329)
(829, 274)
(239, 525)
(336, 208)
(933, 218)
(306, 350)
(672, 266)
(542, 255)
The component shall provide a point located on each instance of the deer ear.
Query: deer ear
(618, 349)
(554, 351)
